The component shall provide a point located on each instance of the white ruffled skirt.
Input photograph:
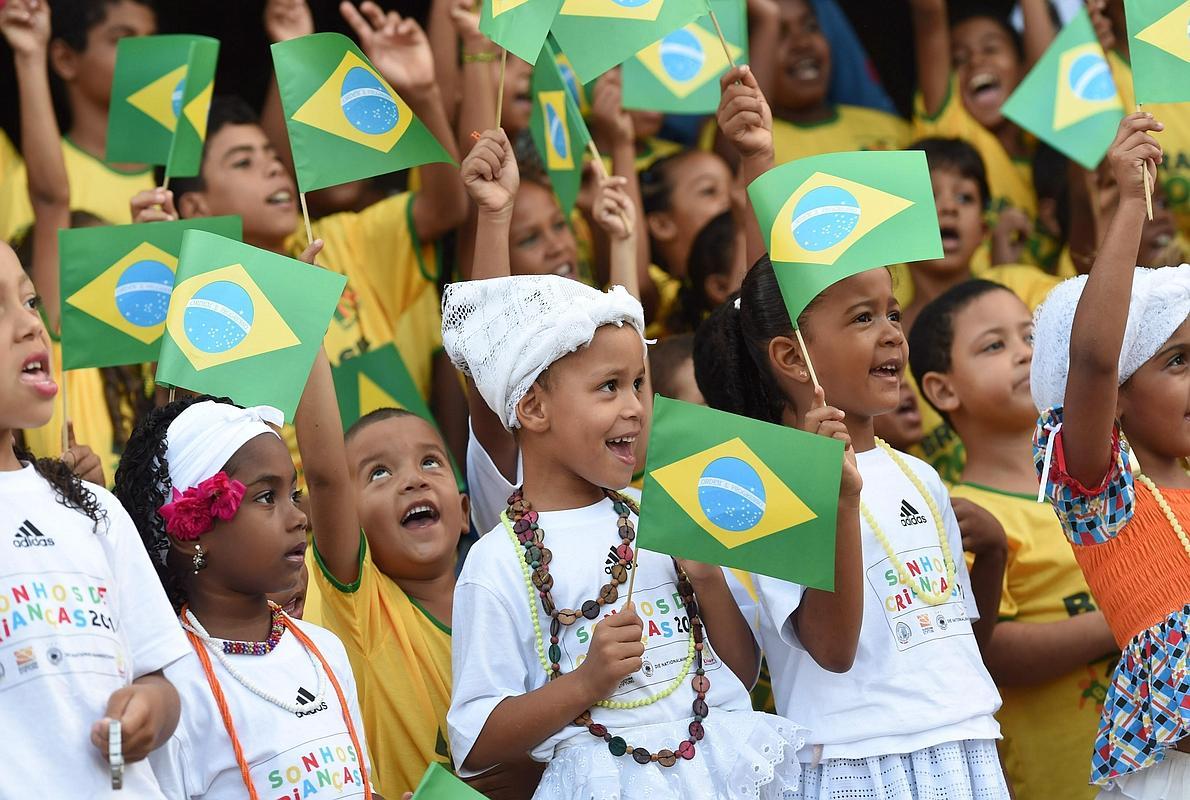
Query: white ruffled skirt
(744, 754)
(968, 770)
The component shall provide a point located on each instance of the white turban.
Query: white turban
(504, 332)
(1160, 304)
(202, 438)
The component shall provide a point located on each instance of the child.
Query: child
(970, 353)
(1110, 380)
(901, 427)
(83, 56)
(913, 717)
(85, 630)
(671, 368)
(265, 699)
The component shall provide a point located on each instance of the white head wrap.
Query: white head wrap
(202, 438)
(1160, 304)
(504, 332)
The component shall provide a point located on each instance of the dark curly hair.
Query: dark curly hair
(142, 487)
(69, 488)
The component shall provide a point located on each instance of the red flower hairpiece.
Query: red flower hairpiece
(193, 512)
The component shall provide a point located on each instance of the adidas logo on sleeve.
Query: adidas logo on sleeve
(28, 535)
(910, 515)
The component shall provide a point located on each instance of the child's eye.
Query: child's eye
(528, 241)
(638, 384)
(864, 317)
(966, 198)
(1177, 361)
(296, 497)
(559, 224)
(895, 316)
(266, 497)
(379, 472)
(430, 462)
(996, 345)
(33, 303)
(608, 386)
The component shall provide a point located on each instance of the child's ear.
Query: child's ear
(193, 204)
(531, 411)
(64, 60)
(465, 505)
(787, 360)
(661, 226)
(938, 390)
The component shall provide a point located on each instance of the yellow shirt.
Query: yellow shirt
(668, 289)
(401, 659)
(94, 187)
(848, 128)
(1010, 180)
(1174, 171)
(1049, 729)
(940, 446)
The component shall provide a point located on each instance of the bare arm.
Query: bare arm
(616, 216)
(764, 29)
(931, 40)
(746, 123)
(283, 20)
(1031, 653)
(725, 624)
(445, 43)
(984, 538)
(477, 112)
(1100, 319)
(1039, 30)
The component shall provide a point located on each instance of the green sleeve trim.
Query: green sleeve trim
(345, 588)
(416, 240)
(946, 101)
(444, 628)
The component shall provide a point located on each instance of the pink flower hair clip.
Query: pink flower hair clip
(193, 512)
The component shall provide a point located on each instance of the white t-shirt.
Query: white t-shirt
(494, 653)
(306, 752)
(918, 679)
(487, 487)
(82, 614)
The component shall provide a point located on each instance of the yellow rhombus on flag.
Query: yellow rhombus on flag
(100, 297)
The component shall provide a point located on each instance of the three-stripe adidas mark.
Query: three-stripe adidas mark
(304, 698)
(910, 515)
(28, 535)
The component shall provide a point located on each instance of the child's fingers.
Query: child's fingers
(373, 13)
(1137, 121)
(740, 74)
(311, 252)
(355, 20)
(819, 398)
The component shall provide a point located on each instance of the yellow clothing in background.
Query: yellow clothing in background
(848, 128)
(1049, 729)
(648, 153)
(95, 188)
(1010, 180)
(668, 288)
(401, 659)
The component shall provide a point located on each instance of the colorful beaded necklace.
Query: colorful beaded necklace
(521, 523)
(233, 648)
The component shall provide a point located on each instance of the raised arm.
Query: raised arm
(26, 26)
(1102, 314)
(1039, 30)
(399, 49)
(283, 20)
(746, 123)
(931, 40)
(480, 73)
(616, 215)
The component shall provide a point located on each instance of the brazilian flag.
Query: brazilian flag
(558, 129)
(161, 95)
(1069, 100)
(115, 284)
(439, 784)
(519, 26)
(345, 122)
(680, 73)
(380, 379)
(597, 35)
(1159, 31)
(830, 216)
(577, 90)
(244, 322)
(733, 491)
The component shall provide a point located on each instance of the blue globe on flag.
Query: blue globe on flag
(366, 103)
(218, 317)
(1090, 78)
(175, 98)
(556, 132)
(142, 292)
(682, 55)
(824, 217)
(571, 81)
(631, 3)
(731, 494)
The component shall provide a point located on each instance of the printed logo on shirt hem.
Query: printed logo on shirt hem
(910, 515)
(305, 697)
(28, 535)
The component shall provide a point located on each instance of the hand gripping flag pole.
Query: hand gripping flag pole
(1144, 169)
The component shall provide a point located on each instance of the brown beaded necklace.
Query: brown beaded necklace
(538, 557)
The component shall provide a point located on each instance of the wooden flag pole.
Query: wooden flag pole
(601, 172)
(722, 38)
(171, 395)
(306, 218)
(806, 356)
(500, 86)
(65, 416)
(1144, 168)
(165, 183)
(632, 574)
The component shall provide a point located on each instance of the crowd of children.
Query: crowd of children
(272, 608)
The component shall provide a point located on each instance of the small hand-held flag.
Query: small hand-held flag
(519, 26)
(345, 122)
(438, 784)
(1159, 48)
(161, 94)
(830, 216)
(558, 129)
(597, 35)
(1069, 100)
(733, 491)
(116, 283)
(244, 322)
(680, 73)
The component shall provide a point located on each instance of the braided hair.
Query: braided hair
(68, 487)
(143, 486)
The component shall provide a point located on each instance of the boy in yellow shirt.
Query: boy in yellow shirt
(83, 55)
(970, 351)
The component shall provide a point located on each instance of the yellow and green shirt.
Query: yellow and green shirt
(847, 128)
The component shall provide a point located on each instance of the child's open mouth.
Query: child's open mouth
(623, 448)
(35, 371)
(422, 515)
(805, 69)
(950, 239)
(297, 554)
(984, 88)
(889, 370)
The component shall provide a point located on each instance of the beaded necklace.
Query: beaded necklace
(929, 596)
(233, 648)
(1165, 509)
(521, 523)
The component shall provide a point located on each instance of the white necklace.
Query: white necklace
(191, 623)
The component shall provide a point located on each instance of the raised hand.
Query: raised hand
(744, 115)
(490, 173)
(154, 205)
(287, 19)
(608, 116)
(396, 45)
(614, 210)
(615, 652)
(82, 460)
(1133, 152)
(26, 26)
(982, 533)
(464, 15)
(827, 421)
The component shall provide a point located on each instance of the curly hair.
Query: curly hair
(143, 486)
(69, 488)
